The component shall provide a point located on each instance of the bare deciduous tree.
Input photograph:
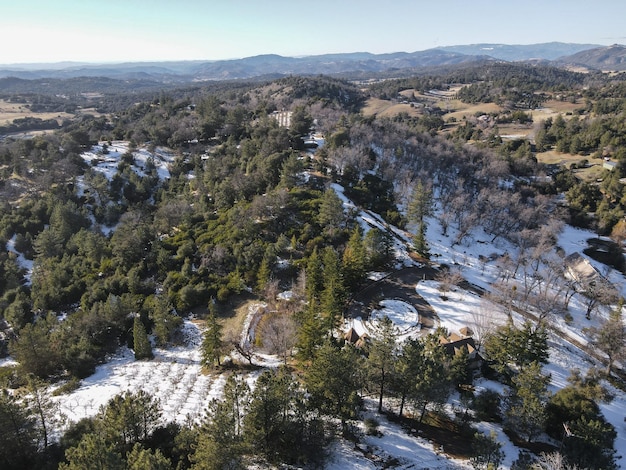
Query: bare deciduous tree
(278, 334)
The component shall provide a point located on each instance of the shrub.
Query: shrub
(486, 406)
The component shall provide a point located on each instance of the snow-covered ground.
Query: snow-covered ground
(107, 163)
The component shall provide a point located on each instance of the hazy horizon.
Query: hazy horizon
(87, 31)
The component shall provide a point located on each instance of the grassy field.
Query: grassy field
(386, 108)
(12, 111)
(592, 172)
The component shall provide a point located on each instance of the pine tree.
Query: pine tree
(221, 439)
(92, 452)
(487, 452)
(264, 274)
(421, 204)
(314, 276)
(270, 412)
(334, 295)
(212, 342)
(18, 433)
(165, 322)
(141, 459)
(526, 402)
(141, 343)
(331, 215)
(354, 261)
(310, 332)
(333, 381)
(420, 244)
(381, 358)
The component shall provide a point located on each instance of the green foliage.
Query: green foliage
(486, 405)
(129, 418)
(18, 433)
(487, 452)
(141, 343)
(526, 403)
(354, 261)
(519, 347)
(146, 459)
(34, 349)
(333, 380)
(382, 358)
(92, 452)
(212, 342)
(574, 417)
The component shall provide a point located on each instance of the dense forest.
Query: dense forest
(120, 258)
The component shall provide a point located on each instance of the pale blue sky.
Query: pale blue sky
(147, 30)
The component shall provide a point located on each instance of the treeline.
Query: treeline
(29, 124)
(491, 82)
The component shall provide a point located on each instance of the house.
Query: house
(580, 270)
(609, 165)
(352, 337)
(459, 343)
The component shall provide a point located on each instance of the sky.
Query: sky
(34, 31)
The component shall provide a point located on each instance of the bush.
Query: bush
(486, 406)
(371, 427)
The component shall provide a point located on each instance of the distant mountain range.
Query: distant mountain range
(560, 54)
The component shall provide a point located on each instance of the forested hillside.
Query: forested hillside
(161, 207)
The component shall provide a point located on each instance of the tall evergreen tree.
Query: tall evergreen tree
(334, 380)
(486, 452)
(421, 203)
(310, 332)
(141, 342)
(526, 402)
(18, 433)
(93, 452)
(382, 357)
(331, 215)
(212, 342)
(314, 276)
(354, 261)
(334, 295)
(221, 436)
(420, 243)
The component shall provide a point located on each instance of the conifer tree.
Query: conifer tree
(526, 402)
(314, 276)
(264, 274)
(333, 381)
(141, 343)
(142, 459)
(310, 332)
(420, 244)
(212, 341)
(221, 439)
(333, 296)
(93, 452)
(354, 261)
(381, 358)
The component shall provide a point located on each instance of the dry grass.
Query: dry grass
(11, 111)
(386, 108)
(459, 110)
(591, 173)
